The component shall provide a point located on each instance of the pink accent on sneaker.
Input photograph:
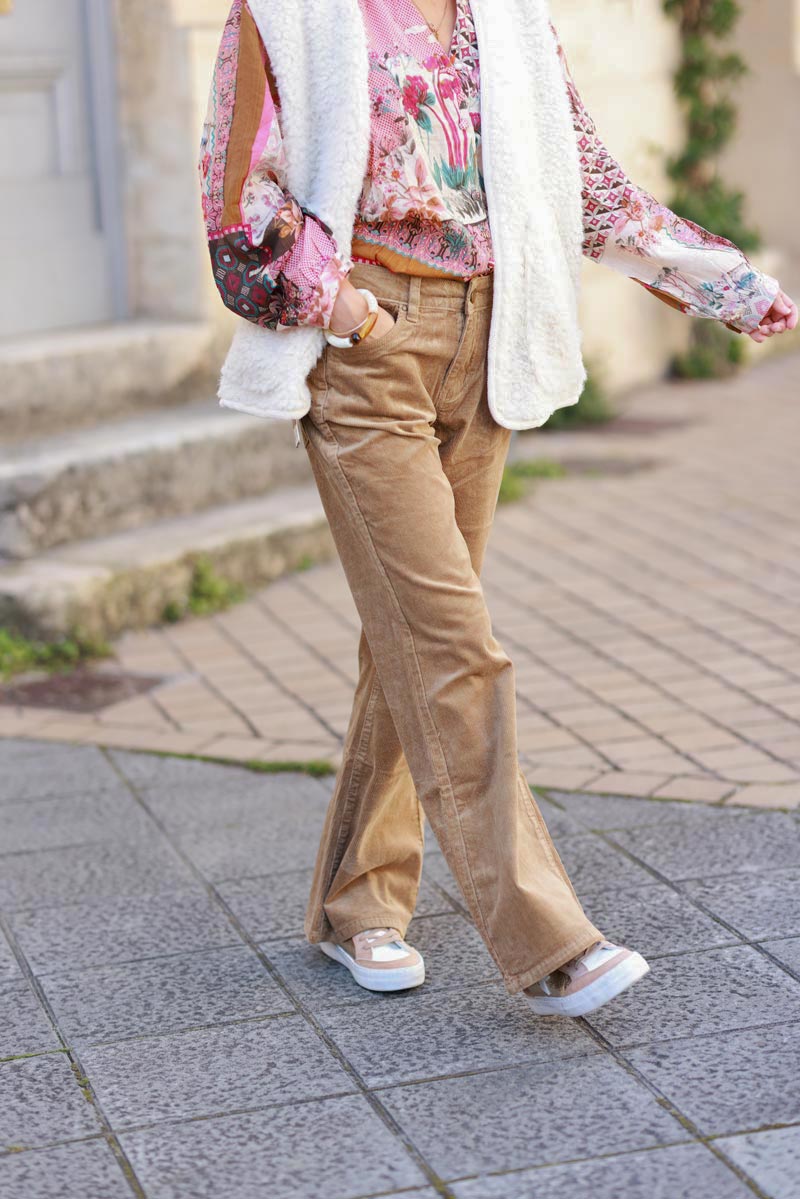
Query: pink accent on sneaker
(379, 959)
(587, 981)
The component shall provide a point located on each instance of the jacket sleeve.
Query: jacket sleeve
(274, 262)
(681, 263)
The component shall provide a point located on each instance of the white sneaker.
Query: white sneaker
(379, 959)
(587, 981)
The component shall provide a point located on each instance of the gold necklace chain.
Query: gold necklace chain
(435, 28)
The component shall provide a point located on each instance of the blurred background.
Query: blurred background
(118, 467)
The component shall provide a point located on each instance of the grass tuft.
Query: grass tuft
(208, 593)
(593, 408)
(20, 655)
(517, 477)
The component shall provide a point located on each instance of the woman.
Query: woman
(398, 194)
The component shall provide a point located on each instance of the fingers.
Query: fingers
(781, 318)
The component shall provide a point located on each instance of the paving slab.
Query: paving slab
(740, 842)
(41, 1103)
(85, 1168)
(227, 1156)
(530, 1116)
(52, 877)
(770, 1158)
(73, 820)
(675, 1173)
(163, 994)
(700, 993)
(435, 870)
(212, 1071)
(430, 1035)
(655, 919)
(267, 822)
(266, 842)
(9, 966)
(603, 812)
(274, 906)
(593, 864)
(787, 952)
(559, 822)
(729, 1081)
(127, 928)
(758, 906)
(27, 772)
(454, 953)
(24, 1026)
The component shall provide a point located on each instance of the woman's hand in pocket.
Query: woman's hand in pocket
(384, 324)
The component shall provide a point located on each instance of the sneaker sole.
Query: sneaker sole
(598, 993)
(403, 978)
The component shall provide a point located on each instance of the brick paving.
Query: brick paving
(652, 615)
(167, 1033)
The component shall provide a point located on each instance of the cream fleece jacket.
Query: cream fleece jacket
(318, 53)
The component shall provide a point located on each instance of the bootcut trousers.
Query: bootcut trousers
(408, 462)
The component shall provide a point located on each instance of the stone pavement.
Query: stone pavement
(649, 600)
(167, 1033)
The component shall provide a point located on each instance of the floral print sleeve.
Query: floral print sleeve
(681, 263)
(274, 263)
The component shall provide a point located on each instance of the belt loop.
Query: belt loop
(414, 289)
(469, 295)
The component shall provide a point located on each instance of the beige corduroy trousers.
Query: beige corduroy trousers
(408, 461)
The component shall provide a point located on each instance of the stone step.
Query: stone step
(75, 377)
(123, 474)
(104, 586)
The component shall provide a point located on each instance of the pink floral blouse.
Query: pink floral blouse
(422, 208)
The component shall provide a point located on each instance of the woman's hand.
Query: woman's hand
(383, 324)
(350, 310)
(781, 318)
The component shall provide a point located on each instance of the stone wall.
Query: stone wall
(166, 51)
(762, 159)
(622, 59)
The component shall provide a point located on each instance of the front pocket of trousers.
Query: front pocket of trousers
(370, 349)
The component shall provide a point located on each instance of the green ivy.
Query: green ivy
(704, 83)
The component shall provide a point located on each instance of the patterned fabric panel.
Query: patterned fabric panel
(274, 262)
(682, 264)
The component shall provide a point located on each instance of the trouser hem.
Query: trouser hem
(346, 932)
(546, 965)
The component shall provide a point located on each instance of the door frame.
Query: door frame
(100, 42)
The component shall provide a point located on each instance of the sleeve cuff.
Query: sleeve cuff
(757, 305)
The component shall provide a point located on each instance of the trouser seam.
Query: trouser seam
(345, 820)
(421, 699)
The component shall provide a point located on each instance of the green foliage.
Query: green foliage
(517, 476)
(593, 408)
(713, 354)
(704, 82)
(208, 593)
(718, 208)
(21, 654)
